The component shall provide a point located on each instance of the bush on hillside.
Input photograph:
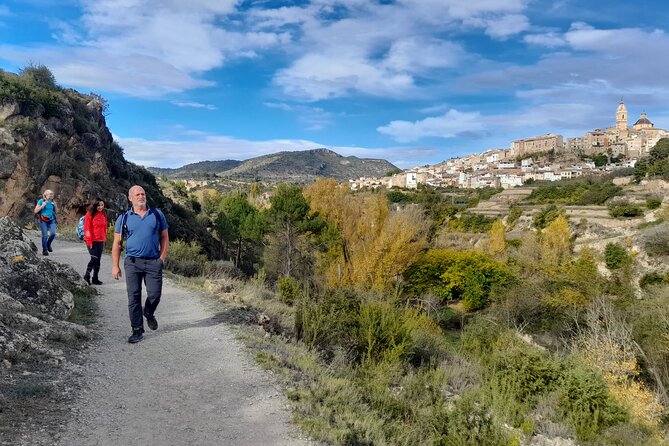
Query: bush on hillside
(615, 255)
(623, 208)
(39, 75)
(546, 215)
(290, 289)
(33, 99)
(577, 192)
(651, 278)
(468, 276)
(467, 222)
(655, 240)
(653, 202)
(186, 259)
(586, 403)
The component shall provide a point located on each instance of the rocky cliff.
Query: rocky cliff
(55, 138)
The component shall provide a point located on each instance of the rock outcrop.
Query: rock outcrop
(55, 138)
(35, 299)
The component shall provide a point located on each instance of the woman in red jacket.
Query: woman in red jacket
(95, 234)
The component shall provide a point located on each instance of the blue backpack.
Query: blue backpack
(80, 228)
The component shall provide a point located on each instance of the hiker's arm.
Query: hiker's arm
(164, 243)
(39, 207)
(116, 256)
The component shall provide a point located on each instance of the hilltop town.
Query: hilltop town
(541, 158)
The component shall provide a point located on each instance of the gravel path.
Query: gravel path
(188, 383)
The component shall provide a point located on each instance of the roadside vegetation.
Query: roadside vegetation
(383, 336)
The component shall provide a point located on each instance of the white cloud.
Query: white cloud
(448, 125)
(176, 153)
(145, 48)
(506, 26)
(5, 11)
(361, 52)
(322, 76)
(550, 40)
(194, 105)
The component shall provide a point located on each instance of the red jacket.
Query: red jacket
(95, 228)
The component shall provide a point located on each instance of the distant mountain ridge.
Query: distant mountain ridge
(292, 167)
(201, 168)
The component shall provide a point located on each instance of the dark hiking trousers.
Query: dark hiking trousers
(96, 253)
(149, 271)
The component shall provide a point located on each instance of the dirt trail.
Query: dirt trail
(188, 383)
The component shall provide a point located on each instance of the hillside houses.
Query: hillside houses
(485, 170)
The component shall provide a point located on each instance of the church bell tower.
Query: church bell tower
(621, 116)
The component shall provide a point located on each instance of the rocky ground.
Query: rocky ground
(188, 383)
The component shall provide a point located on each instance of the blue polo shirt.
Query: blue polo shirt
(49, 210)
(143, 234)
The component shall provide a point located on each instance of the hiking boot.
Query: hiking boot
(95, 281)
(87, 278)
(136, 336)
(49, 249)
(45, 253)
(151, 322)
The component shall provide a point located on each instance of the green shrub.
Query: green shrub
(615, 255)
(469, 276)
(39, 75)
(328, 320)
(515, 212)
(382, 333)
(653, 202)
(651, 278)
(480, 337)
(290, 289)
(586, 403)
(467, 222)
(580, 192)
(395, 196)
(546, 215)
(517, 378)
(624, 209)
(471, 423)
(186, 259)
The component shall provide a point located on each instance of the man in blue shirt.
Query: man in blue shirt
(147, 239)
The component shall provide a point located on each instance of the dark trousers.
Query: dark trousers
(96, 254)
(149, 271)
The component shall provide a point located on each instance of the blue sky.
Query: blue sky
(411, 81)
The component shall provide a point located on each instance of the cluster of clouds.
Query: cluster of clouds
(198, 147)
(405, 50)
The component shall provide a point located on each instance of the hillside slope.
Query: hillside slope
(55, 138)
(292, 167)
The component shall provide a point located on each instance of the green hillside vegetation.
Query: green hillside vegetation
(202, 169)
(656, 165)
(387, 338)
(581, 191)
(299, 167)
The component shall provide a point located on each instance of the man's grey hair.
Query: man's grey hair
(133, 188)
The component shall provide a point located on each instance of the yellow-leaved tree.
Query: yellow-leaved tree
(556, 242)
(373, 245)
(497, 245)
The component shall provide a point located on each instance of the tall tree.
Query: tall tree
(288, 213)
(374, 245)
(239, 223)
